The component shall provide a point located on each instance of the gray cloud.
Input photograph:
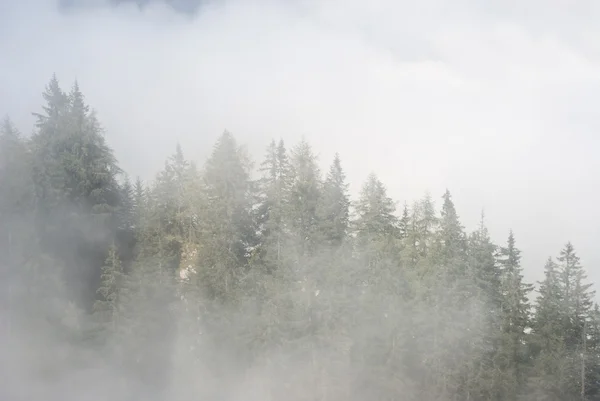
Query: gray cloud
(494, 100)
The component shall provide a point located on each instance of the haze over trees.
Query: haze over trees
(207, 284)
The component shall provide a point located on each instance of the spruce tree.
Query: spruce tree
(426, 224)
(548, 379)
(77, 192)
(404, 223)
(227, 221)
(272, 212)
(107, 308)
(375, 212)
(305, 198)
(577, 302)
(515, 320)
(576, 309)
(335, 204)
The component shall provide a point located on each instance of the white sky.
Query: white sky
(498, 101)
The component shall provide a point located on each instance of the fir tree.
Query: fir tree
(228, 218)
(77, 193)
(108, 307)
(375, 212)
(404, 223)
(515, 310)
(548, 379)
(274, 205)
(305, 198)
(334, 210)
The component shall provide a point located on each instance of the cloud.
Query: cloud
(470, 95)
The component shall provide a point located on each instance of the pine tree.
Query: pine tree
(227, 220)
(274, 205)
(305, 198)
(592, 361)
(210, 274)
(576, 310)
(375, 212)
(125, 234)
(376, 228)
(57, 103)
(170, 209)
(452, 235)
(107, 308)
(548, 379)
(426, 224)
(515, 310)
(577, 302)
(77, 193)
(126, 205)
(404, 223)
(457, 310)
(335, 205)
(139, 203)
(485, 273)
(485, 270)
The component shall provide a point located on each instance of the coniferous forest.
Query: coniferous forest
(207, 284)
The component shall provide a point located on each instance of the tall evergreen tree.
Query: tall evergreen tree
(77, 193)
(404, 223)
(268, 283)
(335, 205)
(108, 306)
(548, 379)
(515, 310)
(274, 205)
(375, 212)
(452, 235)
(577, 302)
(228, 219)
(305, 197)
(577, 308)
(426, 224)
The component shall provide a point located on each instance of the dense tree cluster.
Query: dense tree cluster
(205, 283)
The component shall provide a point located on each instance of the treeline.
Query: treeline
(206, 284)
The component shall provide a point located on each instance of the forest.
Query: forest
(209, 284)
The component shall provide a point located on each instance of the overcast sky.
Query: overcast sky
(496, 100)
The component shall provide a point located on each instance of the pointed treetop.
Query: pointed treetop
(567, 252)
(179, 153)
(79, 109)
(270, 165)
(376, 210)
(449, 215)
(448, 208)
(511, 260)
(281, 146)
(404, 221)
(335, 204)
(336, 173)
(8, 129)
(56, 103)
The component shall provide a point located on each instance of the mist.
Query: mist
(491, 102)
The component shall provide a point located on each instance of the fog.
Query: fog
(494, 101)
(473, 97)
